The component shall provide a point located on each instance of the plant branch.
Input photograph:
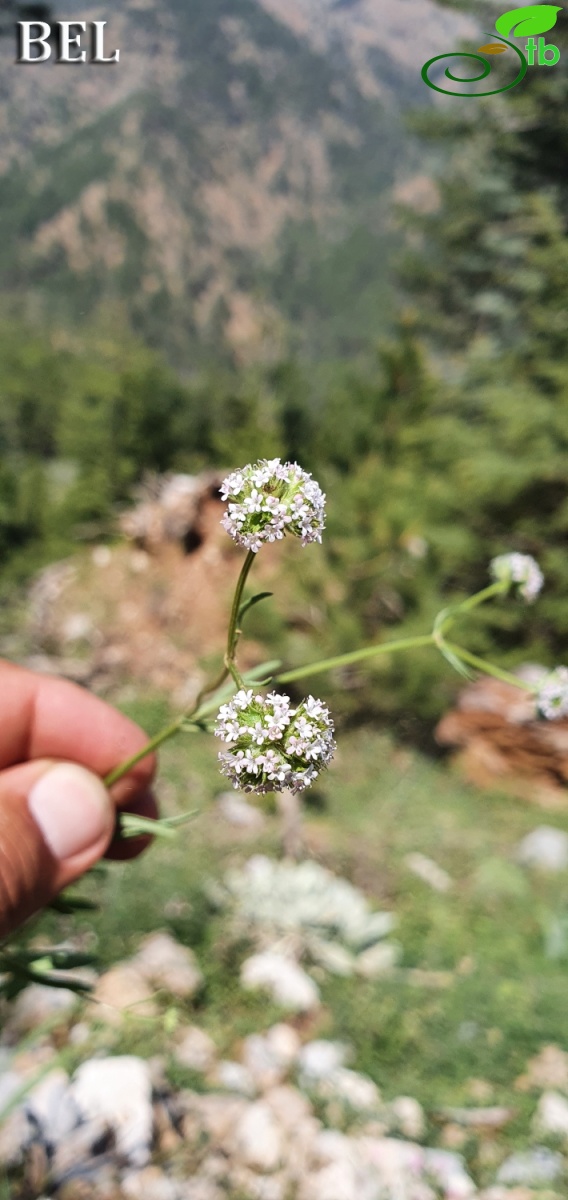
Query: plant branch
(488, 669)
(356, 656)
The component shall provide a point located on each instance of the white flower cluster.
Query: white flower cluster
(273, 746)
(521, 569)
(269, 499)
(552, 695)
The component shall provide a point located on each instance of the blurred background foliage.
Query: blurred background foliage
(439, 447)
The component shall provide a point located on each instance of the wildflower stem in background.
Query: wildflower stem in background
(488, 668)
(446, 618)
(355, 656)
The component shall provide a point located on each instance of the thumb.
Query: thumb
(56, 821)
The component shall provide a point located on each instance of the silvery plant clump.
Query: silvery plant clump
(307, 908)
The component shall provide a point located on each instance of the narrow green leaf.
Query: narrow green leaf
(69, 904)
(455, 662)
(248, 604)
(442, 617)
(133, 826)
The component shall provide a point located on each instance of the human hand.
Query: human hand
(57, 743)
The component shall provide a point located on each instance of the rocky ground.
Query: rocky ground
(286, 1118)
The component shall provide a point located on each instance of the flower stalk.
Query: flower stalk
(269, 744)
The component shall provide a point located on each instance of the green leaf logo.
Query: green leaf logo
(528, 21)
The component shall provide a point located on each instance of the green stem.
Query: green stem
(149, 748)
(495, 589)
(356, 656)
(206, 691)
(233, 635)
(235, 674)
(488, 669)
(328, 664)
(228, 669)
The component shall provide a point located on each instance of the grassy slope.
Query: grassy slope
(503, 998)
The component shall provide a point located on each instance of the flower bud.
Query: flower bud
(521, 569)
(552, 695)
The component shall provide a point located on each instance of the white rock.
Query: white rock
(319, 1059)
(196, 1050)
(216, 1114)
(448, 1172)
(344, 1179)
(300, 1135)
(287, 983)
(15, 1134)
(51, 1105)
(284, 1042)
(546, 847)
(234, 1077)
(163, 962)
(409, 1117)
(357, 1091)
(201, 1188)
(331, 1145)
(258, 1140)
(551, 1116)
(11, 1082)
(78, 1148)
(35, 1005)
(266, 1068)
(292, 1110)
(118, 1091)
(79, 1034)
(537, 1167)
(429, 872)
(245, 1182)
(149, 1184)
(270, 1055)
(237, 812)
(121, 989)
(397, 1162)
(377, 960)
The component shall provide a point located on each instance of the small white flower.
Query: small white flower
(552, 695)
(521, 569)
(269, 499)
(296, 748)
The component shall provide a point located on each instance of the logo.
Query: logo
(530, 22)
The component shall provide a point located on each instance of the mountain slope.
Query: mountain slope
(225, 185)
